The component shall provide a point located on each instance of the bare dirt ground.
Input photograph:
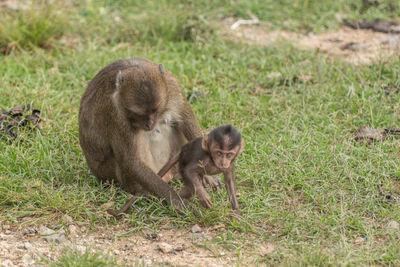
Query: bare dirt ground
(355, 46)
(172, 247)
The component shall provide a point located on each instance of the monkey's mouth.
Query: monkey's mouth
(222, 168)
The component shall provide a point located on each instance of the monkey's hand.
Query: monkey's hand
(181, 206)
(215, 183)
(204, 199)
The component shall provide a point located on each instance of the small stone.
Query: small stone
(152, 236)
(67, 219)
(165, 248)
(180, 248)
(43, 230)
(7, 232)
(392, 40)
(199, 237)
(27, 260)
(6, 227)
(127, 247)
(27, 245)
(73, 230)
(29, 230)
(393, 225)
(196, 228)
(51, 236)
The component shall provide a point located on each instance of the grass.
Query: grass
(71, 258)
(31, 26)
(304, 184)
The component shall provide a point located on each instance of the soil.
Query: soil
(171, 247)
(355, 46)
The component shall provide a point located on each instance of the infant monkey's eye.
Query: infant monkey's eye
(229, 155)
(219, 154)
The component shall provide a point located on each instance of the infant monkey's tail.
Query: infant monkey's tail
(168, 165)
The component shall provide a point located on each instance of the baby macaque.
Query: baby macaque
(208, 155)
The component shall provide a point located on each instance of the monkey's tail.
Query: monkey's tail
(168, 165)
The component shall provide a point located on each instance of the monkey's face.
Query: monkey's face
(224, 144)
(223, 158)
(144, 105)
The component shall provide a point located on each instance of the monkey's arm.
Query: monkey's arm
(189, 126)
(168, 165)
(131, 170)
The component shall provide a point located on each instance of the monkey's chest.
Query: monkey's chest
(157, 146)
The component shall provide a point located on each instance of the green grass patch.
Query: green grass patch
(36, 25)
(71, 258)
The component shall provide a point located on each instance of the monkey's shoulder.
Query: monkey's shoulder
(192, 152)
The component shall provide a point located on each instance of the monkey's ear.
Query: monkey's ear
(162, 69)
(119, 80)
(204, 143)
(241, 147)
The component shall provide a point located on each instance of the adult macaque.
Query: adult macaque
(133, 117)
(209, 155)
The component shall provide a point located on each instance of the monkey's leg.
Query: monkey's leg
(187, 191)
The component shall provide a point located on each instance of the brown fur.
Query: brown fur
(120, 145)
(208, 156)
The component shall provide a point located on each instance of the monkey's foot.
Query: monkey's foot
(168, 176)
(215, 183)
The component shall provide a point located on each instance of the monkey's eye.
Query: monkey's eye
(229, 155)
(219, 154)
